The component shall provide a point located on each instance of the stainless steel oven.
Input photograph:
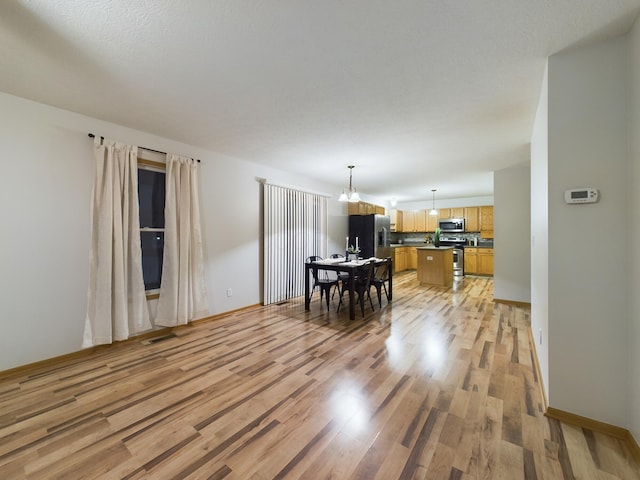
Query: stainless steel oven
(458, 253)
(458, 262)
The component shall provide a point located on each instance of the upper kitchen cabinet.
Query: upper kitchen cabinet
(444, 213)
(413, 221)
(408, 221)
(457, 212)
(486, 222)
(432, 222)
(421, 221)
(472, 219)
(364, 208)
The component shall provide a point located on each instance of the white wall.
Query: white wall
(540, 232)
(45, 190)
(588, 244)
(447, 203)
(512, 227)
(633, 336)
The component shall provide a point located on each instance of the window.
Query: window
(151, 197)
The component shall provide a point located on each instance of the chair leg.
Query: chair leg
(327, 295)
(340, 301)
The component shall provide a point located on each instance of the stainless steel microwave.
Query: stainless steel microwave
(451, 225)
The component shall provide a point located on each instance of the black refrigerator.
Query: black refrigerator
(372, 232)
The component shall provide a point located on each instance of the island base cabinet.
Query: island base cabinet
(435, 266)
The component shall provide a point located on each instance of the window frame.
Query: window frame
(151, 165)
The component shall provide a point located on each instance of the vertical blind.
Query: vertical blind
(295, 227)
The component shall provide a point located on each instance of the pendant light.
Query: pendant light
(352, 195)
(433, 206)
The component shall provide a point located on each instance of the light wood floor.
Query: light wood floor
(437, 385)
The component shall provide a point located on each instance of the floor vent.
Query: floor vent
(162, 338)
(282, 303)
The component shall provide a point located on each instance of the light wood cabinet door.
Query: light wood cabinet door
(412, 258)
(472, 219)
(471, 261)
(432, 222)
(364, 208)
(457, 212)
(485, 261)
(486, 220)
(421, 221)
(408, 221)
(399, 221)
(444, 213)
(400, 259)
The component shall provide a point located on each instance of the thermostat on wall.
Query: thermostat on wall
(581, 195)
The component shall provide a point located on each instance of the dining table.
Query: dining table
(351, 268)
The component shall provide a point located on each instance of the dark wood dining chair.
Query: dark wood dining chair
(362, 284)
(323, 280)
(381, 278)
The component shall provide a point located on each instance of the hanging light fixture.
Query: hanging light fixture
(352, 195)
(433, 206)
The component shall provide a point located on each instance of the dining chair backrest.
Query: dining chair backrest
(323, 274)
(382, 270)
(366, 274)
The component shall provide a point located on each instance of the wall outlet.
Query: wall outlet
(229, 292)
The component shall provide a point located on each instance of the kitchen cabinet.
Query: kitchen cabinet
(435, 266)
(412, 258)
(399, 259)
(444, 213)
(432, 221)
(485, 261)
(457, 212)
(399, 221)
(470, 260)
(478, 261)
(421, 221)
(413, 221)
(408, 221)
(364, 208)
(486, 222)
(472, 219)
(393, 218)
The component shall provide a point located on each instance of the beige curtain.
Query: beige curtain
(183, 294)
(117, 306)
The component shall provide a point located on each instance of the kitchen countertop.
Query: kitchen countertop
(433, 247)
(428, 245)
(394, 245)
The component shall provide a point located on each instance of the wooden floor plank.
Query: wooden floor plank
(438, 384)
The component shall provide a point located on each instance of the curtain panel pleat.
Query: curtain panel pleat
(116, 301)
(295, 227)
(183, 293)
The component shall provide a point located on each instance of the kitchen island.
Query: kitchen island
(435, 265)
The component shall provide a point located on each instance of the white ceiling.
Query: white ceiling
(417, 94)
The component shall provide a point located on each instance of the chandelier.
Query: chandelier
(351, 195)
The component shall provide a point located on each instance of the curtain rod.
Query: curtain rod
(91, 135)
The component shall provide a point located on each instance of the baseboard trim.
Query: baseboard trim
(55, 361)
(226, 314)
(597, 426)
(513, 302)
